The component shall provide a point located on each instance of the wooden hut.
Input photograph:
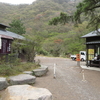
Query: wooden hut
(6, 38)
(93, 47)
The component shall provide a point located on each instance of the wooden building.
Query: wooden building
(92, 45)
(6, 38)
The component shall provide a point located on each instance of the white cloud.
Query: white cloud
(17, 1)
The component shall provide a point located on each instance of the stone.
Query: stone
(28, 72)
(3, 83)
(26, 92)
(40, 71)
(22, 79)
(44, 67)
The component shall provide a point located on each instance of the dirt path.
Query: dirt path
(69, 83)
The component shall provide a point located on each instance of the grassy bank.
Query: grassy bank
(17, 67)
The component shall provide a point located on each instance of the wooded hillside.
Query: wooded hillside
(56, 40)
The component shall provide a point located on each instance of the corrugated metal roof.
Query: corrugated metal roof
(11, 34)
(92, 34)
(93, 42)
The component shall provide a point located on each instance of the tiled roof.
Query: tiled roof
(92, 34)
(4, 26)
(11, 34)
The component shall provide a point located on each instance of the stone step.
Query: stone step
(40, 71)
(3, 83)
(22, 79)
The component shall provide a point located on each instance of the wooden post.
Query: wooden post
(78, 63)
(54, 76)
(78, 59)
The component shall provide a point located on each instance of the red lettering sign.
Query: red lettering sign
(77, 57)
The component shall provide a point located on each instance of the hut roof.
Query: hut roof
(92, 34)
(3, 26)
(7, 34)
(11, 34)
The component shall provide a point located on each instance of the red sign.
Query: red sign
(77, 57)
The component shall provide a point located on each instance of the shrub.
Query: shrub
(9, 69)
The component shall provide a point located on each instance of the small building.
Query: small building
(92, 44)
(3, 31)
(6, 38)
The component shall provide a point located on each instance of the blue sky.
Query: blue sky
(17, 1)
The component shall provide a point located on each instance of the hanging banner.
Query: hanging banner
(0, 42)
(5, 46)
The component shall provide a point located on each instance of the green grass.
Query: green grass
(9, 69)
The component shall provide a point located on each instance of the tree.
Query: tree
(17, 27)
(26, 48)
(29, 49)
(90, 9)
(64, 18)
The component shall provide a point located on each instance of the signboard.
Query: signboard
(90, 54)
(77, 57)
(90, 51)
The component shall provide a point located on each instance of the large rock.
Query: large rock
(26, 92)
(28, 72)
(44, 67)
(22, 79)
(40, 71)
(3, 83)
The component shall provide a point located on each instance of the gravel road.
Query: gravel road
(71, 83)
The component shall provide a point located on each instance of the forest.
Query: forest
(53, 40)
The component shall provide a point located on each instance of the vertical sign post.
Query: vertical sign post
(54, 70)
(78, 59)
